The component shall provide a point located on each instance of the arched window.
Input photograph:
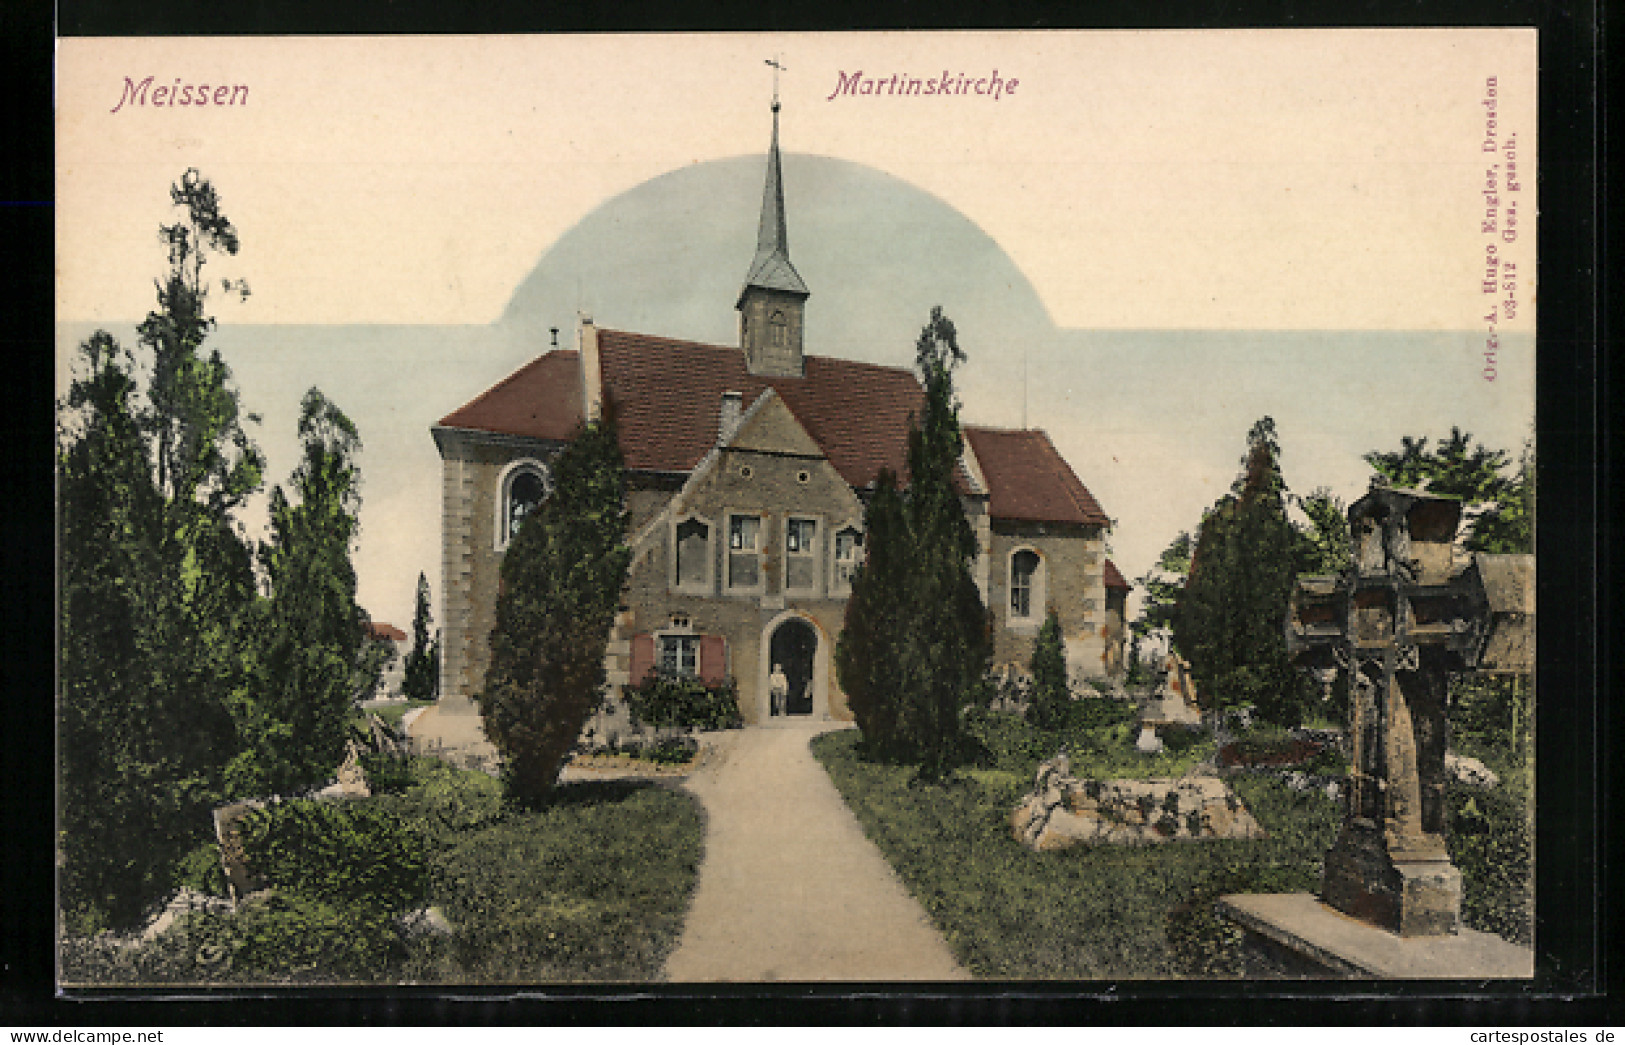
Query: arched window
(1025, 584)
(526, 486)
(778, 329)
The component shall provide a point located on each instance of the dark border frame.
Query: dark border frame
(1579, 493)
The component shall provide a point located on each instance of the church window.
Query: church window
(679, 654)
(524, 488)
(745, 551)
(778, 329)
(693, 555)
(800, 554)
(1025, 584)
(848, 552)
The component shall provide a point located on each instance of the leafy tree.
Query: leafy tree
(561, 584)
(377, 654)
(1229, 623)
(297, 718)
(1163, 584)
(1498, 510)
(422, 673)
(1050, 692)
(1324, 548)
(920, 544)
(156, 585)
(1510, 527)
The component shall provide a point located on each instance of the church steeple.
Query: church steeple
(772, 303)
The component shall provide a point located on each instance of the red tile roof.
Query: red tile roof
(542, 400)
(1114, 579)
(381, 630)
(1029, 480)
(668, 396)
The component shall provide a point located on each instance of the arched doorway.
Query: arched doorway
(794, 646)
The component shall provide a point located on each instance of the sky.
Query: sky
(1149, 240)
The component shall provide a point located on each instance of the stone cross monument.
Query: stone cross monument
(1400, 622)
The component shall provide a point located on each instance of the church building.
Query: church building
(748, 468)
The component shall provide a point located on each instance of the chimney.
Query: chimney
(592, 375)
(733, 407)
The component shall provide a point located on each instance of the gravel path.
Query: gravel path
(789, 888)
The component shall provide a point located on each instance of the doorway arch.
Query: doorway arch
(798, 644)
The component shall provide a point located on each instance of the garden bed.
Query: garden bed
(1092, 912)
(593, 887)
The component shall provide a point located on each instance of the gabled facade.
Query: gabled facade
(747, 469)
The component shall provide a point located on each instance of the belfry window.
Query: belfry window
(526, 488)
(778, 329)
(1024, 583)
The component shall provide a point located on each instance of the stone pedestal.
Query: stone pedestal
(1415, 892)
(1296, 935)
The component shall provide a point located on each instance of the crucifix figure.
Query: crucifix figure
(1399, 623)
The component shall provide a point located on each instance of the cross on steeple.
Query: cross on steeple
(778, 67)
(773, 300)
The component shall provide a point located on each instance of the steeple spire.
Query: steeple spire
(771, 267)
(772, 302)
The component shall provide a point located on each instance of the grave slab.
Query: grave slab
(1323, 938)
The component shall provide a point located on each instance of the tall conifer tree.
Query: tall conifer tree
(421, 680)
(156, 585)
(561, 585)
(929, 658)
(311, 628)
(1233, 606)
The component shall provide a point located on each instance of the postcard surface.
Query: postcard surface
(1199, 281)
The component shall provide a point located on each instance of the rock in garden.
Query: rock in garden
(1470, 771)
(1065, 811)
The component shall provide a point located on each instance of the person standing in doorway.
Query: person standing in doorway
(778, 689)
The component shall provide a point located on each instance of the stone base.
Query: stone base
(1417, 894)
(1296, 934)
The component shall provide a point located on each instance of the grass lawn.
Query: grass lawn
(392, 713)
(1101, 912)
(593, 887)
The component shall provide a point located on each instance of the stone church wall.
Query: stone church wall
(775, 490)
(471, 479)
(1073, 583)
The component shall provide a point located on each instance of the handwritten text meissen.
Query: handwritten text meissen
(136, 93)
(948, 85)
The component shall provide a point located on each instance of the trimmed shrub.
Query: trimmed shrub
(202, 869)
(387, 774)
(1491, 841)
(348, 854)
(287, 935)
(667, 700)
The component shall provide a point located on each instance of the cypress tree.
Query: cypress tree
(1231, 611)
(421, 679)
(920, 665)
(156, 586)
(864, 657)
(310, 625)
(561, 585)
(1051, 695)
